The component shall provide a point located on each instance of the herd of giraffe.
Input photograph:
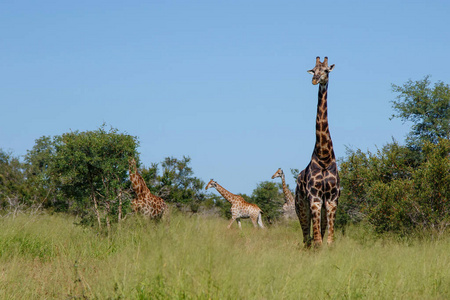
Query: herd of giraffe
(316, 194)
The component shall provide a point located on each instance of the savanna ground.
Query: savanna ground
(197, 257)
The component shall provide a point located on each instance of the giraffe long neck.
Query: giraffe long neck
(324, 146)
(287, 193)
(226, 194)
(138, 183)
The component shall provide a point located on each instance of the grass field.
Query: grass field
(48, 257)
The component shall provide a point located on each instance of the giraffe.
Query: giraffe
(239, 207)
(288, 206)
(318, 184)
(146, 203)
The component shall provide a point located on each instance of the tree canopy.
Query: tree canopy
(404, 188)
(428, 108)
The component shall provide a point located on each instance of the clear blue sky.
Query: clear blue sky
(223, 82)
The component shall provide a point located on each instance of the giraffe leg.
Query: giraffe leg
(316, 205)
(323, 220)
(304, 216)
(331, 216)
(238, 220)
(232, 220)
(260, 223)
(254, 221)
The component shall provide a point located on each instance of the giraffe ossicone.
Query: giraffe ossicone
(318, 185)
(239, 207)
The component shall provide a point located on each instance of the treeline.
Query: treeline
(399, 189)
(86, 174)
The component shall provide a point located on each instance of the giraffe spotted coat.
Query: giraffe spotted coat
(239, 207)
(318, 187)
(146, 203)
(289, 202)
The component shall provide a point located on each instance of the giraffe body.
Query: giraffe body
(146, 203)
(318, 188)
(289, 202)
(239, 207)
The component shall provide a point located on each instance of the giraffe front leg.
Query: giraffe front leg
(316, 205)
(331, 216)
(232, 220)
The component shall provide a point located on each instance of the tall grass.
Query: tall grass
(199, 258)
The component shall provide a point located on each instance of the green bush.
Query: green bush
(395, 193)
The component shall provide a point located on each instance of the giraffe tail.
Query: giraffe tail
(260, 223)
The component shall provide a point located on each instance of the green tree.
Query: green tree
(91, 168)
(269, 197)
(428, 108)
(178, 185)
(430, 188)
(13, 188)
(38, 161)
(404, 188)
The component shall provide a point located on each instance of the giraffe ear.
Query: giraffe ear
(330, 68)
(311, 71)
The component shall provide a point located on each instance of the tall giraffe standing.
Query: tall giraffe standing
(289, 203)
(239, 207)
(146, 203)
(318, 184)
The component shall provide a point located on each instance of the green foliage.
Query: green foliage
(360, 171)
(150, 176)
(38, 162)
(86, 173)
(428, 108)
(13, 188)
(178, 185)
(403, 189)
(395, 193)
(430, 194)
(93, 165)
(269, 197)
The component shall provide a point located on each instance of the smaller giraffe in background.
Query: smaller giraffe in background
(239, 207)
(289, 202)
(148, 204)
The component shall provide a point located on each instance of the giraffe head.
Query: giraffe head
(132, 164)
(212, 184)
(278, 173)
(321, 71)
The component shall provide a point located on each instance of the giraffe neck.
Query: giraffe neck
(226, 194)
(324, 146)
(138, 183)
(287, 193)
